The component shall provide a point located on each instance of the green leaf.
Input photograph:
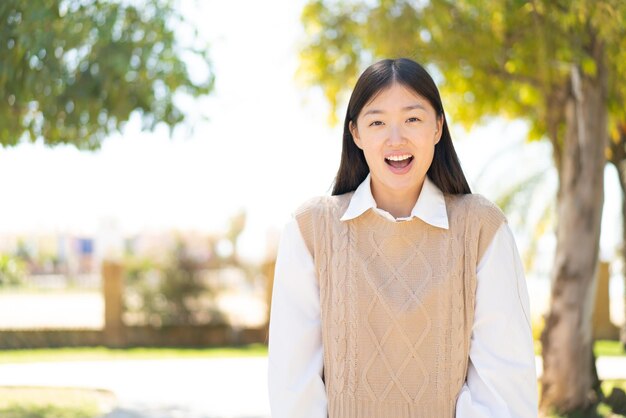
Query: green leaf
(74, 72)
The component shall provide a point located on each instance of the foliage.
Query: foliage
(72, 72)
(174, 293)
(12, 270)
(181, 286)
(181, 289)
(496, 57)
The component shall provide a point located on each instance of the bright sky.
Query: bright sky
(265, 148)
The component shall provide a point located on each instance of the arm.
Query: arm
(501, 376)
(295, 359)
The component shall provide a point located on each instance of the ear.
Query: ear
(439, 130)
(355, 134)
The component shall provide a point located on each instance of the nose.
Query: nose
(395, 135)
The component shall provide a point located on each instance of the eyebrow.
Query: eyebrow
(411, 107)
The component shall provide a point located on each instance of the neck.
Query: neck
(399, 203)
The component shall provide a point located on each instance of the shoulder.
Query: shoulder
(483, 219)
(319, 205)
(477, 207)
(316, 208)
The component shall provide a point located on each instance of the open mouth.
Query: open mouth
(399, 163)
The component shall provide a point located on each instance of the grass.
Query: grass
(29, 402)
(104, 353)
(603, 410)
(609, 348)
(600, 348)
(41, 402)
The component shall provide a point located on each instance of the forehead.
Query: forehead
(395, 97)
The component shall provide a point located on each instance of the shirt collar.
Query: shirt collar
(430, 206)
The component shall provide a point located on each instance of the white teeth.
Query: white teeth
(399, 157)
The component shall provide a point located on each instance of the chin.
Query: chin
(405, 182)
(401, 184)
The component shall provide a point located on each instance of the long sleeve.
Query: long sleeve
(295, 352)
(501, 376)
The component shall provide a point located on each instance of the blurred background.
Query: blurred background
(152, 151)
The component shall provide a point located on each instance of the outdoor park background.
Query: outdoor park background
(206, 204)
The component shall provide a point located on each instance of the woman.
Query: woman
(402, 295)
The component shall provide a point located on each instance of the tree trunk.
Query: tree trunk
(568, 375)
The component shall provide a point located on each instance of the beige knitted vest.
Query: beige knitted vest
(397, 304)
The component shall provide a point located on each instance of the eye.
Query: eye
(413, 119)
(376, 123)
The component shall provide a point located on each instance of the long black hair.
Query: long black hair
(445, 170)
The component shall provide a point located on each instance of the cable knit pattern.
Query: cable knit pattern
(397, 304)
(353, 314)
(337, 243)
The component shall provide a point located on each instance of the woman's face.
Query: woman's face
(401, 125)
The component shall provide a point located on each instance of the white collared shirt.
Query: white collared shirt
(430, 206)
(501, 376)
